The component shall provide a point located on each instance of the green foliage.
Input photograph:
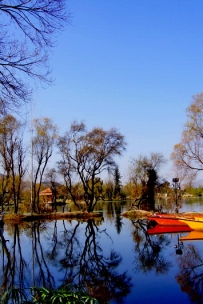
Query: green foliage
(127, 189)
(194, 191)
(62, 295)
(117, 182)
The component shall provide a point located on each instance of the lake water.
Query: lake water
(113, 257)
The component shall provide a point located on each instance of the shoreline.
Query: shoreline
(51, 216)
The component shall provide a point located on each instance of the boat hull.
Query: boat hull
(192, 236)
(166, 220)
(195, 223)
(162, 229)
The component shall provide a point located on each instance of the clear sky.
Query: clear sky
(129, 64)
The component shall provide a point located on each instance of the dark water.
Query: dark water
(114, 258)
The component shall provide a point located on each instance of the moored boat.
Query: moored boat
(166, 219)
(192, 236)
(162, 229)
(194, 222)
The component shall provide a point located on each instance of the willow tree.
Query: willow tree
(45, 135)
(26, 36)
(187, 155)
(85, 156)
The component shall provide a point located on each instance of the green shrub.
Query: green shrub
(64, 295)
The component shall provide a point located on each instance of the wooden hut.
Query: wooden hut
(47, 195)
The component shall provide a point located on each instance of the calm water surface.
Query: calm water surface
(114, 256)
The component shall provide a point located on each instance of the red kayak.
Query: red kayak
(161, 229)
(166, 219)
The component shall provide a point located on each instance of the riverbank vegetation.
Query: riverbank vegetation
(85, 155)
(64, 294)
(77, 177)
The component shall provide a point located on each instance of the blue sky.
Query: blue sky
(133, 65)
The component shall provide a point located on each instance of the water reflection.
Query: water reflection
(115, 259)
(44, 254)
(87, 264)
(190, 276)
(188, 256)
(149, 250)
(6, 261)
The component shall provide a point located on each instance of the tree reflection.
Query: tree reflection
(114, 210)
(149, 250)
(22, 265)
(13, 265)
(92, 268)
(43, 274)
(190, 277)
(41, 254)
(118, 218)
(6, 262)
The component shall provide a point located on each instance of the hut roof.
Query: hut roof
(46, 191)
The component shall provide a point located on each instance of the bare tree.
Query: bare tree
(12, 155)
(27, 29)
(43, 145)
(85, 155)
(187, 155)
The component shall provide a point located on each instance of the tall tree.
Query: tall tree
(27, 28)
(188, 154)
(43, 145)
(117, 182)
(12, 155)
(85, 155)
(51, 176)
(144, 175)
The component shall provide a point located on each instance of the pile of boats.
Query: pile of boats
(164, 223)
